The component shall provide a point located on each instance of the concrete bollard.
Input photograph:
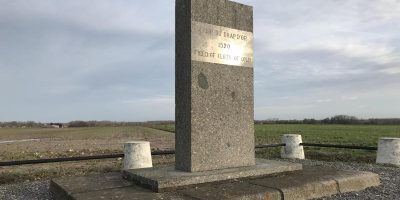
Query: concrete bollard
(388, 151)
(293, 149)
(137, 154)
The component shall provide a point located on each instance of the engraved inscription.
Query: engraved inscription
(222, 45)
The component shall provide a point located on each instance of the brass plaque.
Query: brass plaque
(221, 45)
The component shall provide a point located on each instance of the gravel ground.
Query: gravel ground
(26, 191)
(388, 190)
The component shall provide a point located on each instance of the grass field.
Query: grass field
(364, 135)
(104, 140)
(340, 134)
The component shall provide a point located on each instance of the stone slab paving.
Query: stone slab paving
(232, 190)
(312, 182)
(164, 178)
(128, 193)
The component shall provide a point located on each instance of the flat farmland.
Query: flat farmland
(29, 143)
(40, 143)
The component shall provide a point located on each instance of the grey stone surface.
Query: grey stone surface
(235, 190)
(315, 182)
(388, 151)
(312, 182)
(128, 193)
(292, 148)
(167, 178)
(95, 182)
(137, 154)
(183, 85)
(363, 180)
(63, 188)
(223, 13)
(214, 102)
(105, 186)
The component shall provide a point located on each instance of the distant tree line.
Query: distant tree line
(338, 119)
(27, 124)
(78, 123)
(112, 123)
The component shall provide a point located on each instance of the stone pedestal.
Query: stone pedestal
(162, 179)
(293, 149)
(388, 151)
(310, 183)
(137, 154)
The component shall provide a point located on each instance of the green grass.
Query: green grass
(364, 135)
(338, 134)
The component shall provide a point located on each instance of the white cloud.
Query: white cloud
(155, 100)
(324, 100)
(349, 98)
(392, 71)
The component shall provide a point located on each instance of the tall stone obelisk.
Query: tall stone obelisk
(214, 85)
(214, 137)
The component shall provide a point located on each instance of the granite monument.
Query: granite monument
(214, 85)
(214, 93)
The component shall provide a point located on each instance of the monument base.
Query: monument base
(309, 183)
(167, 178)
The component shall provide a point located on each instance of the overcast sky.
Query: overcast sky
(114, 59)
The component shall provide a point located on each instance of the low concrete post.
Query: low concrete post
(137, 154)
(388, 151)
(293, 149)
